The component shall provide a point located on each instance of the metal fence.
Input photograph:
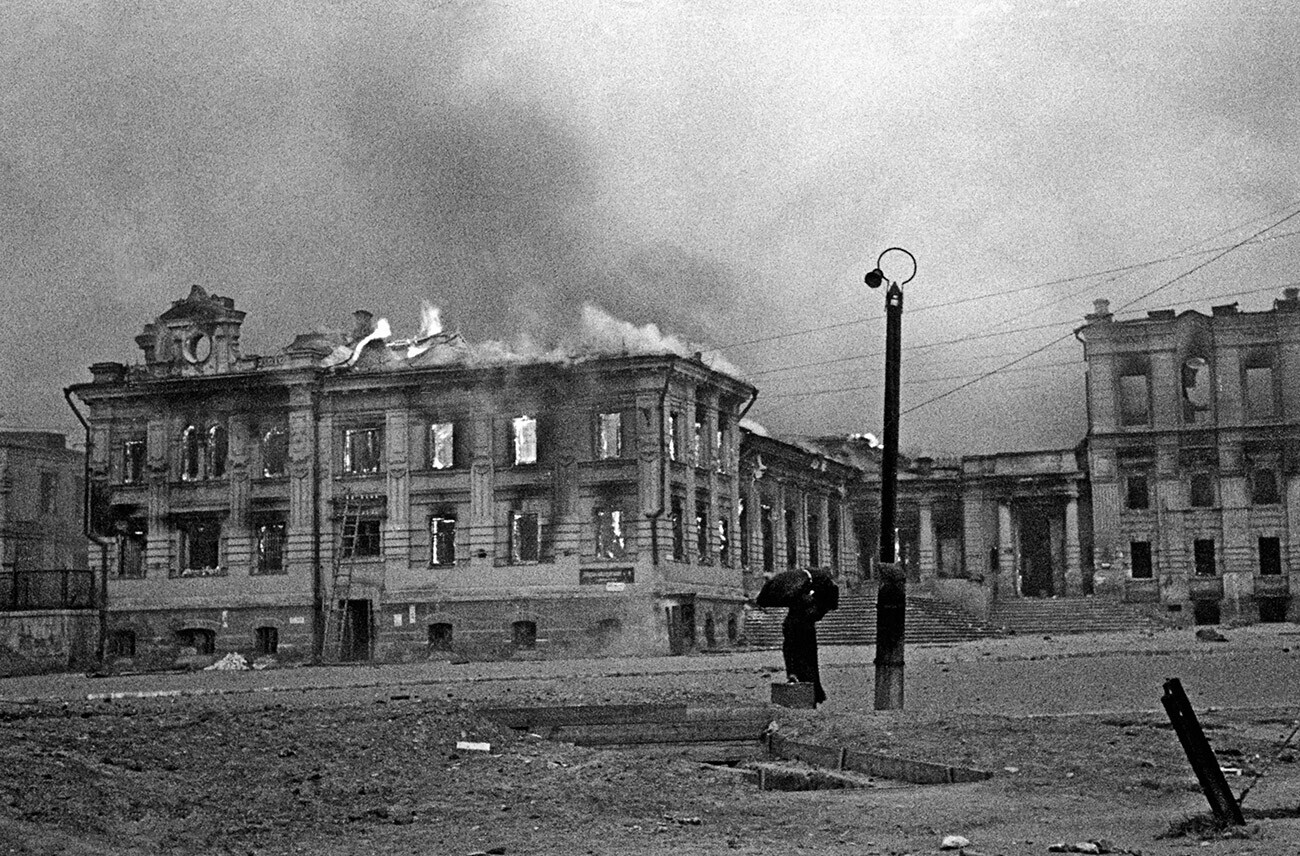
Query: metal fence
(54, 589)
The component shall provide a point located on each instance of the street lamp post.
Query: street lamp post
(891, 597)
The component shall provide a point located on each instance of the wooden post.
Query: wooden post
(1200, 755)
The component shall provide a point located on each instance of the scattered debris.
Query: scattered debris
(1209, 634)
(1076, 847)
(232, 662)
(954, 842)
(472, 746)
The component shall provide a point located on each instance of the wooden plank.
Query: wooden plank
(584, 714)
(686, 731)
(1200, 755)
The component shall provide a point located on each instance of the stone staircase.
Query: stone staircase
(929, 621)
(1060, 616)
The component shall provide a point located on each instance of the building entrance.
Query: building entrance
(1037, 572)
(358, 631)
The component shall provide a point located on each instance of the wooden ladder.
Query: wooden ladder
(341, 584)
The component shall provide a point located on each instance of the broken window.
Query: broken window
(1202, 490)
(362, 451)
(442, 445)
(697, 444)
(674, 435)
(442, 540)
(266, 641)
(1137, 495)
(1140, 560)
(720, 448)
(1196, 390)
(49, 492)
(361, 536)
(791, 539)
(200, 547)
(218, 448)
(1261, 400)
(133, 454)
(1134, 400)
(191, 453)
(744, 534)
(610, 540)
(1270, 556)
(814, 541)
(525, 440)
(702, 530)
(525, 537)
(679, 529)
(609, 439)
(270, 536)
(132, 544)
(275, 453)
(1263, 486)
(1203, 557)
(724, 542)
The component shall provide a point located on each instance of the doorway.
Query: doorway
(358, 631)
(681, 627)
(1037, 576)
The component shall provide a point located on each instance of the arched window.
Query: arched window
(218, 449)
(191, 453)
(440, 636)
(275, 453)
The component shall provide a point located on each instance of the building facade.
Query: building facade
(41, 484)
(357, 498)
(1194, 455)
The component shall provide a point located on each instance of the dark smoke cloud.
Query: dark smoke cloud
(307, 161)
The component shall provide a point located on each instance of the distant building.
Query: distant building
(1194, 457)
(368, 498)
(41, 484)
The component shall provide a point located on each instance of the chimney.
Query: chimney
(1100, 312)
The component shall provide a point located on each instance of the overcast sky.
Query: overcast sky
(725, 170)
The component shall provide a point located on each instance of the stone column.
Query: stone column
(925, 543)
(1073, 570)
(1007, 588)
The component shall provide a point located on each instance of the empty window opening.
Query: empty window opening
(275, 453)
(132, 546)
(121, 643)
(525, 537)
(724, 541)
(191, 453)
(267, 640)
(744, 534)
(442, 445)
(702, 530)
(1263, 487)
(524, 634)
(720, 447)
(525, 440)
(679, 529)
(362, 451)
(440, 638)
(697, 444)
(611, 541)
(769, 538)
(1203, 557)
(1270, 556)
(1196, 390)
(218, 449)
(1261, 398)
(361, 536)
(1140, 560)
(202, 640)
(442, 540)
(270, 546)
(1202, 490)
(674, 435)
(1137, 495)
(1134, 405)
(201, 545)
(133, 458)
(732, 628)
(1272, 610)
(1205, 611)
(609, 436)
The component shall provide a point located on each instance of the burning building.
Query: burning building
(358, 496)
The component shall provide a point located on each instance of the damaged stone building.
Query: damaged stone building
(1194, 455)
(366, 497)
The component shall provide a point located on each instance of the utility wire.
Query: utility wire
(1138, 299)
(914, 381)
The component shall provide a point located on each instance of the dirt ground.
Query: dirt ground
(364, 759)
